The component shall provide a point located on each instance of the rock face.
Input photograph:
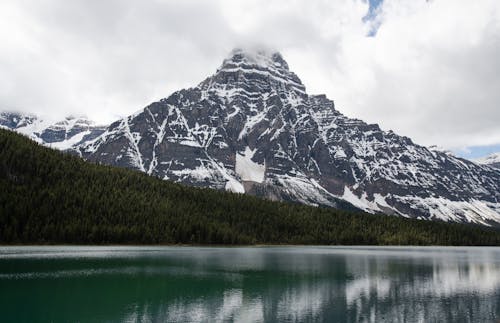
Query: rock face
(62, 135)
(251, 127)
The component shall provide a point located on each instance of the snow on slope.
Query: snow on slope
(26, 124)
(492, 160)
(70, 142)
(303, 149)
(247, 169)
(64, 134)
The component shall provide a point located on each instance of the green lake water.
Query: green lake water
(254, 284)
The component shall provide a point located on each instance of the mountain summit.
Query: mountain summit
(261, 57)
(251, 127)
(244, 70)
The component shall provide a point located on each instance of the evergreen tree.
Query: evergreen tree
(47, 196)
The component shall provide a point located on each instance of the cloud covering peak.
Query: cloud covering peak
(426, 69)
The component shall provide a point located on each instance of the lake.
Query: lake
(251, 284)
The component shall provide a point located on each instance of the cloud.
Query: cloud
(428, 72)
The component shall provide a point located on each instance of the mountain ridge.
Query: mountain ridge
(61, 134)
(492, 160)
(51, 197)
(252, 128)
(255, 112)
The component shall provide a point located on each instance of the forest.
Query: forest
(51, 197)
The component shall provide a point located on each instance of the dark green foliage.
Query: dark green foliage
(47, 196)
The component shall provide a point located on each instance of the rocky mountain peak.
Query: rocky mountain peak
(260, 70)
(263, 58)
(252, 128)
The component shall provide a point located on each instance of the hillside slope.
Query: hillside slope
(251, 127)
(51, 197)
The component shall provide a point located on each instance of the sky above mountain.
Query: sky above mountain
(425, 69)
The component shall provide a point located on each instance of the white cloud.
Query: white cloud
(431, 71)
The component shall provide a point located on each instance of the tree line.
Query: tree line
(50, 197)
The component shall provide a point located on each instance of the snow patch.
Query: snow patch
(378, 204)
(340, 153)
(472, 211)
(250, 124)
(69, 143)
(234, 186)
(359, 202)
(305, 190)
(190, 142)
(199, 173)
(247, 168)
(488, 160)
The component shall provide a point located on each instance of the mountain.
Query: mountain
(54, 197)
(492, 160)
(251, 127)
(63, 134)
(439, 149)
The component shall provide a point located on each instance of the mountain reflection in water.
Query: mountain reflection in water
(269, 284)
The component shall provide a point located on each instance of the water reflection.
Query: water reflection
(294, 284)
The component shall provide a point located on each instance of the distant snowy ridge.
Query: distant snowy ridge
(251, 127)
(492, 160)
(63, 134)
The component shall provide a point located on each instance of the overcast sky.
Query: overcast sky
(429, 70)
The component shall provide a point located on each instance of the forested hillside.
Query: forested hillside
(47, 196)
(252, 121)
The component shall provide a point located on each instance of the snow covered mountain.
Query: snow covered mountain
(251, 127)
(62, 135)
(492, 160)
